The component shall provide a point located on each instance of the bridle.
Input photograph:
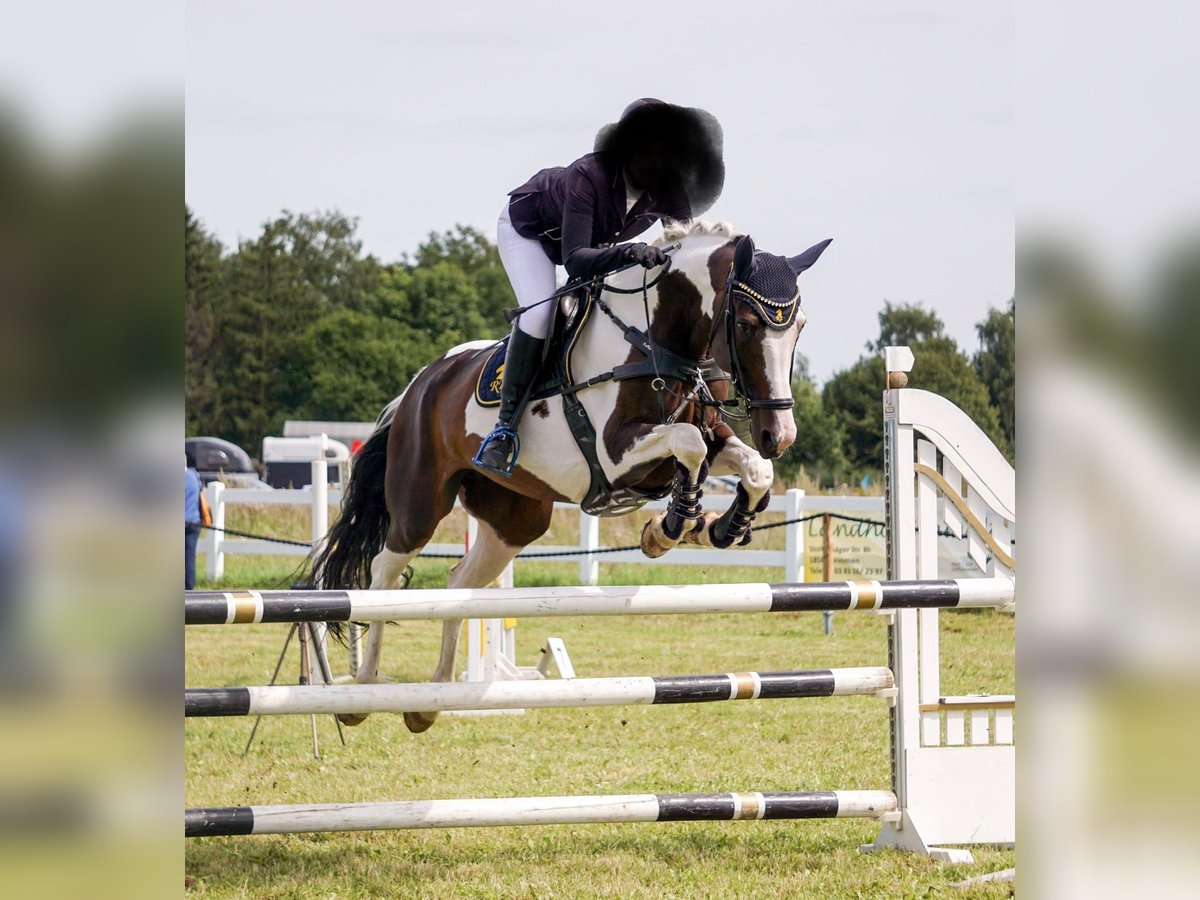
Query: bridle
(737, 376)
(660, 362)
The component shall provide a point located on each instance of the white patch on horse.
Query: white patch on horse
(468, 346)
(548, 451)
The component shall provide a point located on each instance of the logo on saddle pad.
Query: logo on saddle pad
(491, 377)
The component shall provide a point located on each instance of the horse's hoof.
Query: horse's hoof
(352, 719)
(419, 722)
(652, 546)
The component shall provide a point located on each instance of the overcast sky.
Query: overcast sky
(887, 127)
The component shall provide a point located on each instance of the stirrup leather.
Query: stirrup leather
(498, 436)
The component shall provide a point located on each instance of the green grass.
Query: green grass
(819, 744)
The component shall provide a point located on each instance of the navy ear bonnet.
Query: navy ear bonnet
(768, 282)
(770, 290)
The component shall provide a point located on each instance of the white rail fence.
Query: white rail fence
(793, 504)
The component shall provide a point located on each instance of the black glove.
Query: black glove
(648, 256)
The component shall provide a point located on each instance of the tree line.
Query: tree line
(298, 323)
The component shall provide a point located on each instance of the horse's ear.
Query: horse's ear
(743, 257)
(808, 257)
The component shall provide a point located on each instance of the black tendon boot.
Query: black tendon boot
(499, 451)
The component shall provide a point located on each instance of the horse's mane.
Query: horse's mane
(676, 231)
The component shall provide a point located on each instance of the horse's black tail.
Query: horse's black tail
(343, 559)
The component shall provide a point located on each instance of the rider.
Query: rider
(658, 162)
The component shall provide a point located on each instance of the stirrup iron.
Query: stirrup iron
(499, 433)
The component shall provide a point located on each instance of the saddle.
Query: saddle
(555, 378)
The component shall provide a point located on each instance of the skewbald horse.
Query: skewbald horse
(719, 300)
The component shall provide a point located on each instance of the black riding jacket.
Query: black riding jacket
(577, 211)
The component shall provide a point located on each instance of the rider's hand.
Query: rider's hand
(648, 256)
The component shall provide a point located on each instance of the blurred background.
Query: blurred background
(1108, 211)
(91, 422)
(91, 461)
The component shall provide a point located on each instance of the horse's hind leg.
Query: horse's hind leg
(417, 503)
(507, 523)
(387, 573)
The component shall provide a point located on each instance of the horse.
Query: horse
(720, 318)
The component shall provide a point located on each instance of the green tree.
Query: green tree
(996, 366)
(353, 363)
(297, 322)
(906, 325)
(469, 251)
(204, 298)
(300, 269)
(853, 395)
(852, 398)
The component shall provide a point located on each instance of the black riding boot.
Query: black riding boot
(499, 450)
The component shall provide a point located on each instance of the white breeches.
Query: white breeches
(531, 274)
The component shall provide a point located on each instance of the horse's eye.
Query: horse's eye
(745, 328)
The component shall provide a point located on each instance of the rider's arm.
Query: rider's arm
(579, 210)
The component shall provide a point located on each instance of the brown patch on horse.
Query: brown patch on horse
(423, 471)
(719, 262)
(680, 326)
(519, 520)
(750, 349)
(541, 409)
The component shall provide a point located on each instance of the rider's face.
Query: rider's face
(648, 165)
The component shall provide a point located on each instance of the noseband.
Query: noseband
(782, 314)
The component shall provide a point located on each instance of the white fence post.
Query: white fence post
(320, 495)
(795, 536)
(589, 539)
(214, 559)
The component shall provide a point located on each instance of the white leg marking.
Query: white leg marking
(684, 442)
(481, 566)
(387, 569)
(757, 474)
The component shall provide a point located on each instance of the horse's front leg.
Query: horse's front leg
(753, 494)
(686, 445)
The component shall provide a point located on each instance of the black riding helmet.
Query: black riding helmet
(667, 138)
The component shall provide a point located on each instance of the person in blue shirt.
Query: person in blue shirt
(191, 521)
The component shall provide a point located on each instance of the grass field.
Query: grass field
(832, 743)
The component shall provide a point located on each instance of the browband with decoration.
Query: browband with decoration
(778, 314)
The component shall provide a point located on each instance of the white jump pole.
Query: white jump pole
(278, 700)
(239, 820)
(248, 607)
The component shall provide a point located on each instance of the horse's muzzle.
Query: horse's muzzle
(768, 446)
(773, 432)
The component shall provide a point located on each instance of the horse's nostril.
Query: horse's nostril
(766, 443)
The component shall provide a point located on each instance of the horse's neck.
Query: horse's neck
(680, 313)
